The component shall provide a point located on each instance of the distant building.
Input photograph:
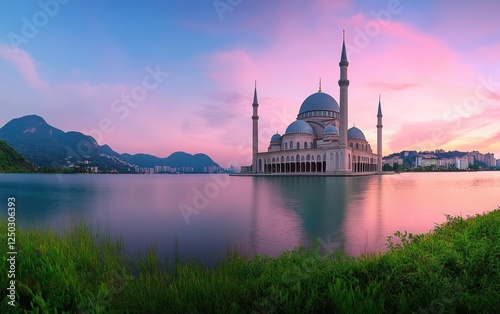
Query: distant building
(418, 161)
(489, 160)
(443, 162)
(429, 162)
(392, 161)
(498, 162)
(464, 163)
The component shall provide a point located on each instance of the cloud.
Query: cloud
(434, 134)
(490, 53)
(392, 86)
(220, 119)
(25, 65)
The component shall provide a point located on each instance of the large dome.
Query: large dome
(355, 134)
(319, 101)
(299, 126)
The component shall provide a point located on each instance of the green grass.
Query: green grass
(453, 269)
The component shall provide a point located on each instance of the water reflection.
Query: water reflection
(262, 215)
(319, 206)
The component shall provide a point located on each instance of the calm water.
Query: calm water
(257, 215)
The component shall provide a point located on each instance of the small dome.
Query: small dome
(331, 130)
(319, 101)
(276, 138)
(355, 134)
(299, 126)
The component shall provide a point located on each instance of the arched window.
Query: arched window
(286, 145)
(350, 144)
(305, 145)
(291, 144)
(298, 145)
(357, 146)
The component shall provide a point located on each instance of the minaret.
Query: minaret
(255, 130)
(379, 136)
(344, 84)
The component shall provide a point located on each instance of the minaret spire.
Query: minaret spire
(319, 91)
(379, 114)
(255, 94)
(379, 136)
(343, 57)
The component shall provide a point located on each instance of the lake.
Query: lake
(207, 214)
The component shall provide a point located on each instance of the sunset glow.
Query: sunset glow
(159, 77)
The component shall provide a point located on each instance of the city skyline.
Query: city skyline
(163, 77)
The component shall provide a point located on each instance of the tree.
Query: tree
(396, 167)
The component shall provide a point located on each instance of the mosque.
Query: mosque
(318, 142)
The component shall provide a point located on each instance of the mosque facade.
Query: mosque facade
(318, 141)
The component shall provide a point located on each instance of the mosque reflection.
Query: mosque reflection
(326, 210)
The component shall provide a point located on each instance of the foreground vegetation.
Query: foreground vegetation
(12, 162)
(454, 268)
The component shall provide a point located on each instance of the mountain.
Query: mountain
(175, 160)
(11, 161)
(46, 146)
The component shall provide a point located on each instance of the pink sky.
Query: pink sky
(436, 67)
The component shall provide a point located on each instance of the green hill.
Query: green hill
(11, 161)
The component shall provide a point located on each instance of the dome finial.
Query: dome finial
(319, 91)
(343, 35)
